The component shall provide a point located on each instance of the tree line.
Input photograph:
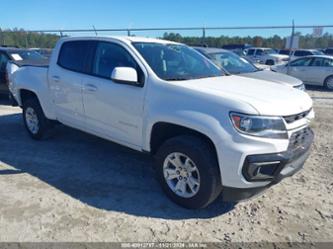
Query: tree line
(22, 38)
(276, 41)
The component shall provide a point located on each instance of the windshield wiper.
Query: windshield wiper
(176, 79)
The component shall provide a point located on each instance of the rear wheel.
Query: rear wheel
(34, 119)
(329, 83)
(188, 171)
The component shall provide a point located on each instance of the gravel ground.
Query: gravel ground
(76, 187)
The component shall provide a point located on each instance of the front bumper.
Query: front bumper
(273, 167)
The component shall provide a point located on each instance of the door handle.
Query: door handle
(56, 78)
(90, 88)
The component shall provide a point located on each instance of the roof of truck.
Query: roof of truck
(126, 39)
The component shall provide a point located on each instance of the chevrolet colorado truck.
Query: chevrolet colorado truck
(210, 133)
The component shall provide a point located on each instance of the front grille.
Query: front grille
(293, 118)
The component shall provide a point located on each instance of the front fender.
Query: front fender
(200, 122)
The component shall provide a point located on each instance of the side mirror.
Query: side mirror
(124, 75)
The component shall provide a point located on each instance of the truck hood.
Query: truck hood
(268, 98)
(273, 77)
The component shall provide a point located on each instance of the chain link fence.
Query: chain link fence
(277, 37)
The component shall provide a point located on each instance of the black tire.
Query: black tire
(270, 63)
(204, 157)
(329, 78)
(43, 122)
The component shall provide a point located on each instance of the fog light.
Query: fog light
(261, 170)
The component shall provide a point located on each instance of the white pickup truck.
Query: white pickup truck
(210, 133)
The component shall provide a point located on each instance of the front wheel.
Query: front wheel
(34, 119)
(188, 172)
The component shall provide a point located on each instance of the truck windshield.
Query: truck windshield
(173, 62)
(270, 51)
(233, 63)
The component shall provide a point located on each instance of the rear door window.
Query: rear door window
(250, 52)
(76, 55)
(328, 63)
(317, 62)
(259, 52)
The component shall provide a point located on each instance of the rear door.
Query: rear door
(319, 69)
(300, 69)
(66, 80)
(114, 110)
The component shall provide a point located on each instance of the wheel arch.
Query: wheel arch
(23, 94)
(162, 131)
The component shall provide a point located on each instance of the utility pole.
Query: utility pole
(203, 36)
(291, 43)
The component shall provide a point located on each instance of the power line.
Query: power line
(181, 28)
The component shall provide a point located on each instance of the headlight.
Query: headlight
(259, 126)
(300, 87)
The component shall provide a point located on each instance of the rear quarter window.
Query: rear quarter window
(76, 55)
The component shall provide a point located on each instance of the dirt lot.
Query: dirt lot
(76, 187)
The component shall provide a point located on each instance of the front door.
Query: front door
(114, 110)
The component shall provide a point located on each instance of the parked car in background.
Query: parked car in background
(15, 55)
(312, 70)
(240, 49)
(235, 64)
(294, 54)
(46, 52)
(328, 51)
(210, 133)
(284, 51)
(266, 56)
